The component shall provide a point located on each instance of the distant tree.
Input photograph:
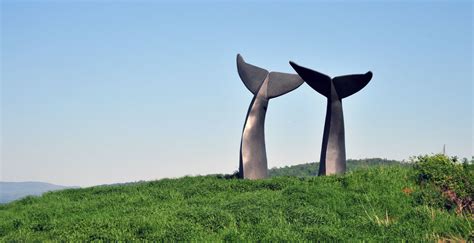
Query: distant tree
(311, 169)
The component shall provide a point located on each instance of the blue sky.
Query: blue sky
(100, 92)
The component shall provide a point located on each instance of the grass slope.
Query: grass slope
(376, 203)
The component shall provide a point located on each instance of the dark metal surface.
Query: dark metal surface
(333, 151)
(264, 85)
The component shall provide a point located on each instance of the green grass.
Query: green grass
(363, 204)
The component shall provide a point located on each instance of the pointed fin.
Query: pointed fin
(282, 83)
(318, 81)
(349, 84)
(252, 76)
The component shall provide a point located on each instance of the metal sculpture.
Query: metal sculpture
(264, 85)
(333, 151)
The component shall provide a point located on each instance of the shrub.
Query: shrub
(444, 177)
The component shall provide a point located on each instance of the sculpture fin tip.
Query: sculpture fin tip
(316, 80)
(252, 76)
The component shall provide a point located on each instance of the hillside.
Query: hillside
(10, 191)
(378, 203)
(311, 169)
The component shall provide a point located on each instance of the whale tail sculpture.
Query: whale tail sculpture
(264, 85)
(333, 151)
(278, 83)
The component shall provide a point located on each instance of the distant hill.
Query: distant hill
(10, 191)
(311, 169)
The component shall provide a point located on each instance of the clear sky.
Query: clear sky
(98, 92)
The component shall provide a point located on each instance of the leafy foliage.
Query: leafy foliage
(376, 203)
(447, 182)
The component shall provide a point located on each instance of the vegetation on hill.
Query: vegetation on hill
(382, 203)
(446, 183)
(311, 169)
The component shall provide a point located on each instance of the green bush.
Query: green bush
(446, 182)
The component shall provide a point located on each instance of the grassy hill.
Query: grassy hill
(379, 203)
(311, 169)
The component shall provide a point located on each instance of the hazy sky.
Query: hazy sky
(100, 92)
